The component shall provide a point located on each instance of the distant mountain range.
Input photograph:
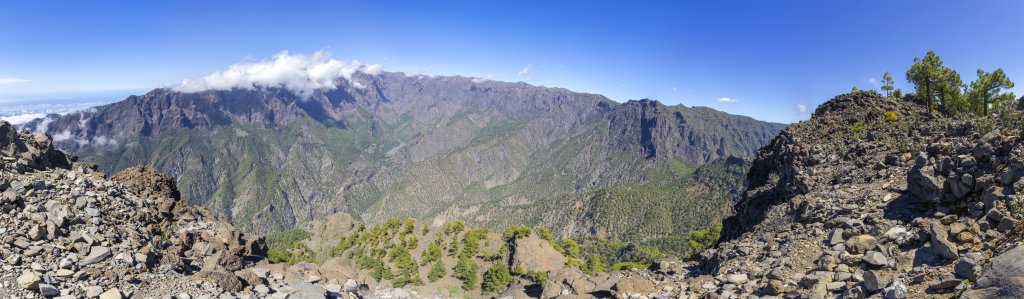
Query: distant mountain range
(431, 148)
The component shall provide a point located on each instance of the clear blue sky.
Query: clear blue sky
(769, 56)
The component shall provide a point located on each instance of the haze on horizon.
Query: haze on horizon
(771, 61)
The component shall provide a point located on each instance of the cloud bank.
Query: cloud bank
(728, 100)
(302, 74)
(12, 80)
(18, 119)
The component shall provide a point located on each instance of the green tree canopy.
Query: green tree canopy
(887, 85)
(437, 271)
(936, 84)
(496, 278)
(987, 90)
(468, 272)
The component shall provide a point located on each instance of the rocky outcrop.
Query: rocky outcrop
(535, 254)
(872, 197)
(1002, 278)
(23, 149)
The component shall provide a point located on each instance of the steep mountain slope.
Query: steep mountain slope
(433, 148)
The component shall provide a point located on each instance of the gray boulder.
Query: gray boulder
(941, 245)
(1002, 278)
(897, 290)
(969, 266)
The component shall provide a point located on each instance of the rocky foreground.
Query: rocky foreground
(874, 198)
(67, 231)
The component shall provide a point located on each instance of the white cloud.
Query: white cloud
(801, 108)
(727, 100)
(43, 125)
(22, 118)
(104, 140)
(83, 118)
(12, 80)
(874, 82)
(526, 70)
(488, 77)
(21, 114)
(299, 73)
(674, 88)
(63, 135)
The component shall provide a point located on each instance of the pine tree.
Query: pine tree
(468, 271)
(986, 90)
(432, 253)
(496, 278)
(936, 84)
(887, 85)
(437, 271)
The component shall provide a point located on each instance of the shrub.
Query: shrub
(494, 256)
(984, 125)
(468, 272)
(496, 278)
(891, 116)
(545, 234)
(345, 244)
(537, 276)
(518, 270)
(454, 227)
(286, 239)
(704, 238)
(412, 242)
(299, 254)
(408, 270)
(516, 231)
(433, 253)
(858, 130)
(570, 248)
(393, 224)
(410, 226)
(471, 242)
(277, 255)
(379, 270)
(437, 271)
(629, 265)
(1017, 206)
(594, 265)
(453, 249)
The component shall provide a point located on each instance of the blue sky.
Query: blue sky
(768, 56)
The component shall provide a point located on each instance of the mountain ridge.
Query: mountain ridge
(433, 148)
